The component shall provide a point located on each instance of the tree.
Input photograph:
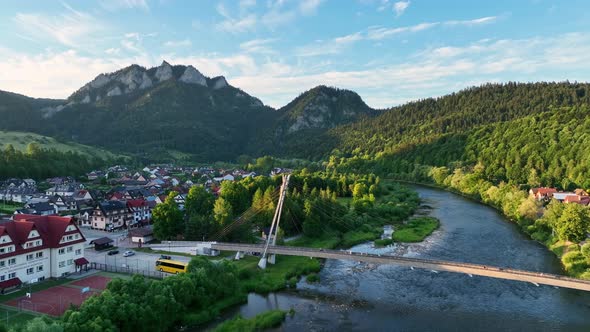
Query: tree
(222, 212)
(573, 223)
(586, 250)
(199, 202)
(168, 219)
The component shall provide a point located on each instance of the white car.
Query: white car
(128, 253)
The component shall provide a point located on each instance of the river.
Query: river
(353, 296)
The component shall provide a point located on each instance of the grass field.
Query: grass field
(416, 229)
(9, 208)
(13, 319)
(20, 140)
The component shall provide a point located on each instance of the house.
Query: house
(140, 212)
(227, 177)
(542, 193)
(110, 215)
(83, 195)
(41, 209)
(580, 192)
(102, 243)
(561, 196)
(141, 235)
(64, 203)
(34, 248)
(572, 199)
(94, 175)
(180, 199)
(63, 190)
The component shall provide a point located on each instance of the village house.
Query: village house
(33, 248)
(542, 193)
(40, 208)
(68, 189)
(110, 215)
(64, 203)
(140, 212)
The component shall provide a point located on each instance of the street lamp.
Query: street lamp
(168, 246)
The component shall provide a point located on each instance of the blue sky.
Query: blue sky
(388, 51)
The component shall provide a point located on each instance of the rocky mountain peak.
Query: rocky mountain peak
(192, 75)
(164, 72)
(219, 82)
(323, 107)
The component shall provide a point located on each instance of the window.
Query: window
(76, 236)
(29, 244)
(39, 254)
(2, 277)
(2, 263)
(12, 261)
(95, 225)
(38, 243)
(30, 257)
(39, 268)
(62, 263)
(12, 275)
(70, 237)
(62, 251)
(70, 249)
(30, 270)
(70, 261)
(78, 251)
(2, 250)
(10, 249)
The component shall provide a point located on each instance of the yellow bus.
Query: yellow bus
(170, 266)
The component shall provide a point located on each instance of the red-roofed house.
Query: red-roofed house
(542, 193)
(36, 247)
(140, 211)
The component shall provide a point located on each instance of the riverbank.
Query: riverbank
(573, 262)
(369, 297)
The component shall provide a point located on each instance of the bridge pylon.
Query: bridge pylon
(274, 228)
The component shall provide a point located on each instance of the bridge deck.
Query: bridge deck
(466, 268)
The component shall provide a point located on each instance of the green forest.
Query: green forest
(37, 163)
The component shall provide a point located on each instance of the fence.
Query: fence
(127, 270)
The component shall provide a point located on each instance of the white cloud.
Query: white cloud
(178, 43)
(247, 3)
(400, 7)
(235, 25)
(477, 21)
(309, 7)
(258, 46)
(431, 72)
(70, 28)
(334, 46)
(114, 5)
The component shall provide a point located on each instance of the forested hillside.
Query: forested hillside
(426, 121)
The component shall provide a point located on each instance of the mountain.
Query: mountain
(322, 107)
(22, 113)
(310, 114)
(418, 124)
(168, 111)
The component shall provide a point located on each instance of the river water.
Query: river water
(353, 296)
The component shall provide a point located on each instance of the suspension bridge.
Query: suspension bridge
(269, 250)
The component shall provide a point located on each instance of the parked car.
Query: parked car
(128, 253)
(113, 252)
(165, 257)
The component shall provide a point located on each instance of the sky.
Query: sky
(388, 51)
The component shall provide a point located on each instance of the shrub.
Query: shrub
(312, 277)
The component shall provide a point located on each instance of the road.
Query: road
(140, 261)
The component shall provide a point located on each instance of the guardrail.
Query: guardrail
(465, 268)
(127, 270)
